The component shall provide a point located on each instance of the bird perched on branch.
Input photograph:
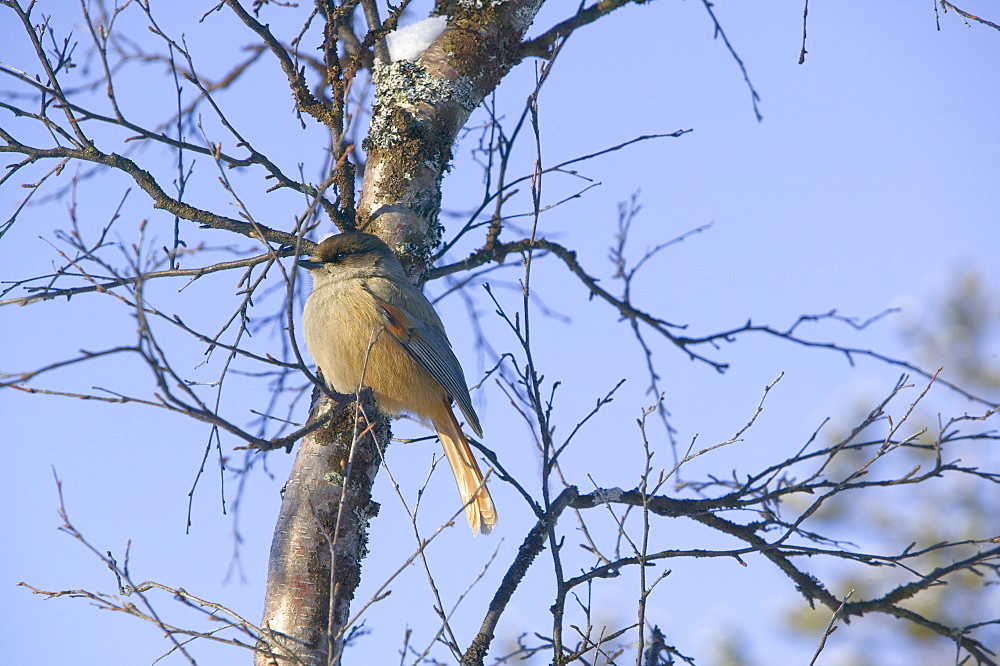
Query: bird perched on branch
(365, 324)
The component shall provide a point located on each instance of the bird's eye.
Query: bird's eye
(340, 256)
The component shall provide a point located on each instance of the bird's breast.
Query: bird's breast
(346, 336)
(339, 322)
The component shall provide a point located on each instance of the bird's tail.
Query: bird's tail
(479, 508)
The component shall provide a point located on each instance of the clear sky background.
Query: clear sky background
(871, 183)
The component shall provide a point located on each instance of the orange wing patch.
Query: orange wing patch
(395, 320)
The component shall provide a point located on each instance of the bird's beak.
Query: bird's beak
(309, 264)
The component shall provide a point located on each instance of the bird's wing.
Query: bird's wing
(428, 345)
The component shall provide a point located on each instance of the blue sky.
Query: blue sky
(871, 183)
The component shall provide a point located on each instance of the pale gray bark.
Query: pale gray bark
(320, 538)
(420, 108)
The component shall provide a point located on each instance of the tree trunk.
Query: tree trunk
(419, 109)
(321, 536)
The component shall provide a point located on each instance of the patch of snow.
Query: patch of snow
(409, 42)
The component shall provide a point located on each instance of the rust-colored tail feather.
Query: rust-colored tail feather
(479, 508)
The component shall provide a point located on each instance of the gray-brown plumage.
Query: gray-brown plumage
(365, 324)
